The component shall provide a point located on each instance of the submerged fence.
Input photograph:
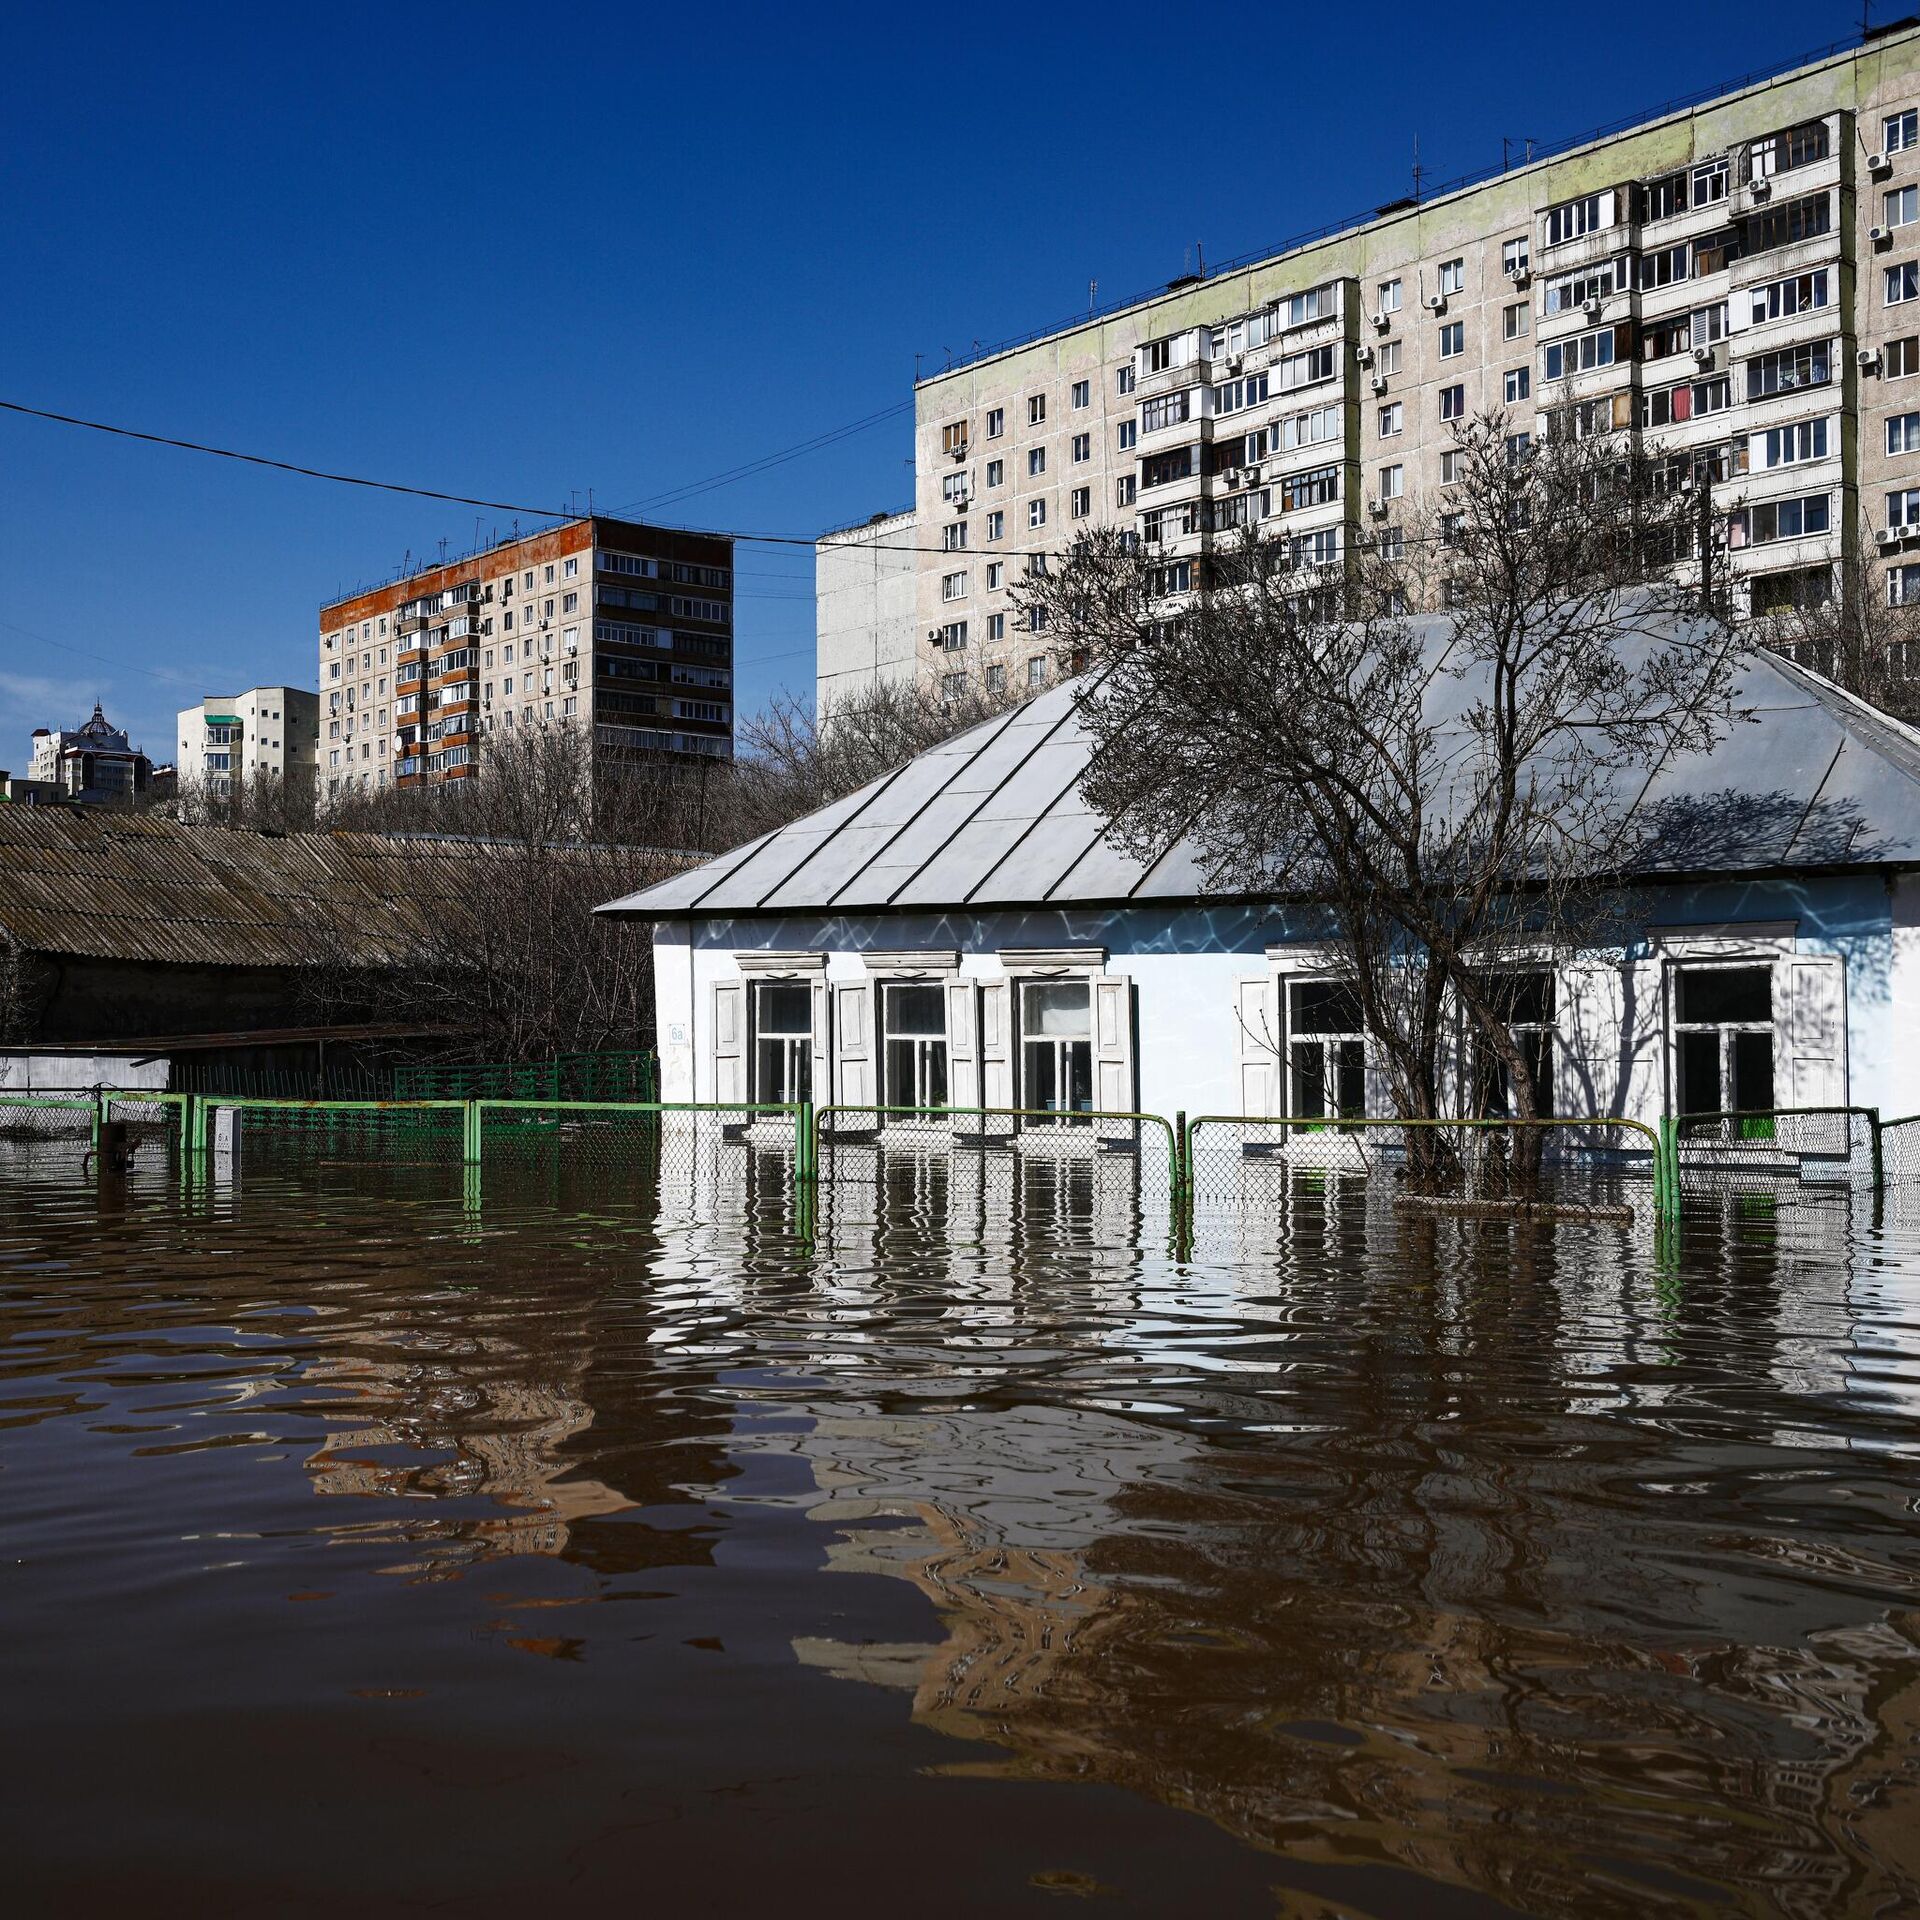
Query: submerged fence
(1587, 1166)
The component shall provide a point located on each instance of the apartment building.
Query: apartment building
(621, 630)
(266, 733)
(94, 761)
(864, 588)
(1738, 282)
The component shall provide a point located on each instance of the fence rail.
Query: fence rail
(1250, 1161)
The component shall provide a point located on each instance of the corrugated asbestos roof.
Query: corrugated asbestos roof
(993, 818)
(134, 887)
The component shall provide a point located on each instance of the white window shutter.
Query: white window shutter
(1590, 1014)
(853, 1044)
(820, 1088)
(1257, 1024)
(996, 1044)
(1815, 1030)
(1113, 1045)
(963, 1045)
(729, 1041)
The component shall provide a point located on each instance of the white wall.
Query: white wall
(864, 591)
(1187, 966)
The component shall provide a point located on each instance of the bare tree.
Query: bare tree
(1442, 790)
(265, 802)
(1863, 634)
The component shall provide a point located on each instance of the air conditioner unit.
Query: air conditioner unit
(1378, 508)
(960, 452)
(1253, 476)
(933, 636)
(1235, 362)
(1519, 275)
(1888, 536)
(1381, 322)
(1703, 356)
(1233, 476)
(1436, 303)
(1761, 189)
(1364, 354)
(1878, 163)
(1379, 383)
(1591, 308)
(1878, 236)
(1869, 360)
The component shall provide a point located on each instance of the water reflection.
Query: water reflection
(1437, 1563)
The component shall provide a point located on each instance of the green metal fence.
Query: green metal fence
(569, 1076)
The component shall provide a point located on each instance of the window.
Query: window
(1517, 385)
(996, 575)
(1232, 395)
(1450, 469)
(1177, 577)
(953, 586)
(782, 1042)
(1453, 403)
(1900, 359)
(1513, 321)
(1037, 672)
(1723, 1038)
(953, 536)
(1900, 131)
(1160, 469)
(1321, 549)
(1056, 1044)
(570, 569)
(1082, 393)
(1036, 513)
(1453, 276)
(1393, 419)
(1128, 435)
(1790, 370)
(1581, 354)
(1387, 358)
(1903, 433)
(1167, 411)
(1802, 440)
(1903, 508)
(1513, 255)
(1903, 282)
(1900, 206)
(1393, 482)
(1312, 487)
(1797, 220)
(1036, 461)
(913, 1044)
(1310, 429)
(1326, 1051)
(1123, 380)
(1710, 182)
(1124, 490)
(1306, 369)
(996, 473)
(1575, 217)
(952, 638)
(1903, 586)
(996, 525)
(996, 678)
(1773, 520)
(996, 422)
(1036, 409)
(1525, 1002)
(1390, 291)
(1080, 502)
(1453, 339)
(1082, 448)
(996, 630)
(1798, 293)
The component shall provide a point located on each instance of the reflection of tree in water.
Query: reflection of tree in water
(1556, 1659)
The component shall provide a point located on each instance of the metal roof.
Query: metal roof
(1809, 777)
(89, 882)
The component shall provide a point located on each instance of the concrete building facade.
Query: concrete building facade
(621, 630)
(1738, 283)
(94, 761)
(265, 734)
(864, 597)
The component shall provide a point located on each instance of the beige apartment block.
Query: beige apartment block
(1738, 282)
(618, 630)
(264, 734)
(864, 589)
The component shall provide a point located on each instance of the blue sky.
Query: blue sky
(527, 252)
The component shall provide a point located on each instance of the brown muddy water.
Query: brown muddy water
(372, 1549)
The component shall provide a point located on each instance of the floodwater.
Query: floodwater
(374, 1548)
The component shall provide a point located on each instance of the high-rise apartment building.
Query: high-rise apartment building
(863, 598)
(618, 629)
(266, 734)
(1738, 282)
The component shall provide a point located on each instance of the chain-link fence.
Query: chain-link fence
(1587, 1168)
(292, 1132)
(1900, 1163)
(1802, 1153)
(68, 1116)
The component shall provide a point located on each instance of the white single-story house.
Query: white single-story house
(964, 932)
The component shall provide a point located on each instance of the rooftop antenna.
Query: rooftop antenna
(443, 549)
(1508, 142)
(1417, 172)
(1093, 295)
(1200, 254)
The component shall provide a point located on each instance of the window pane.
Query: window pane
(915, 1010)
(1325, 1006)
(1712, 995)
(1058, 1007)
(1042, 1088)
(1309, 1079)
(784, 1009)
(1353, 1077)
(933, 1073)
(1080, 1075)
(1699, 1073)
(1752, 1072)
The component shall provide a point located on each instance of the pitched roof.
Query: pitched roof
(1812, 777)
(124, 886)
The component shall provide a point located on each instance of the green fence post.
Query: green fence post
(806, 1142)
(1666, 1170)
(470, 1132)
